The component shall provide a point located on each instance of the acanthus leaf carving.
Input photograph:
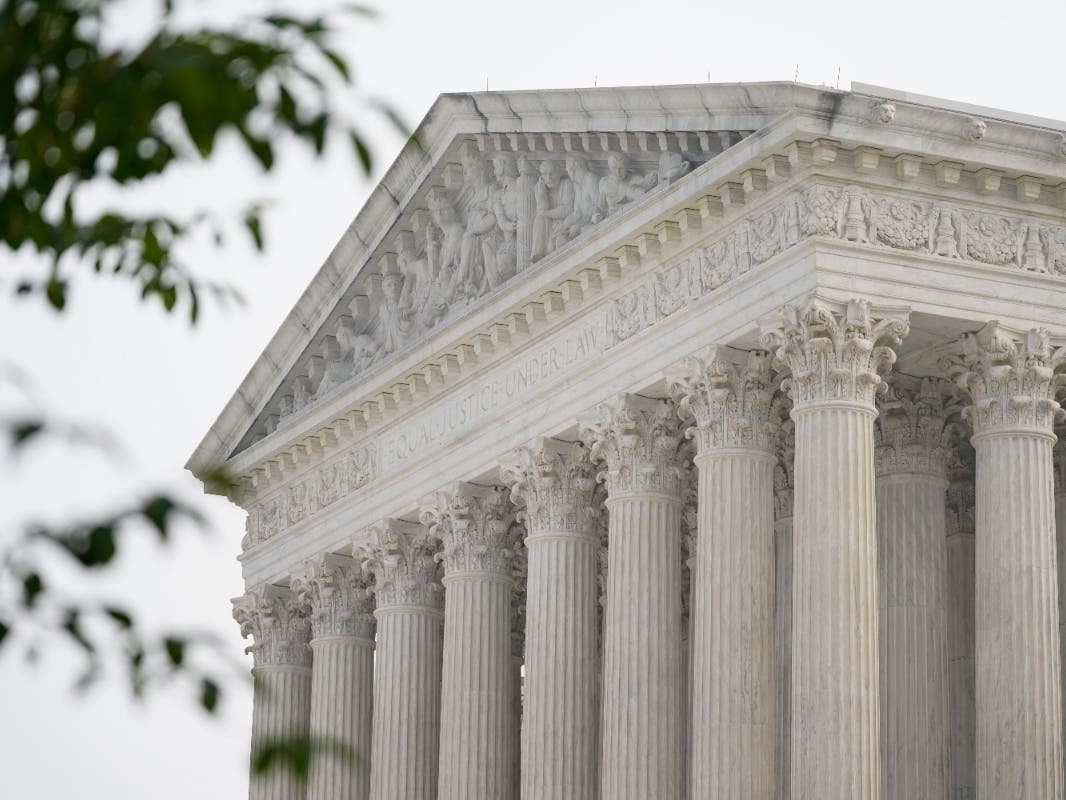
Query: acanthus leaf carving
(835, 352)
(1010, 381)
(553, 483)
(333, 591)
(729, 395)
(914, 432)
(472, 523)
(402, 559)
(639, 439)
(277, 624)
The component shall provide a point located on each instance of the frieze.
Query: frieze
(849, 213)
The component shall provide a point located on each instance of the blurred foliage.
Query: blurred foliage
(75, 110)
(79, 110)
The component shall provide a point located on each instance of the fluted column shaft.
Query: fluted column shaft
(405, 739)
(281, 710)
(638, 438)
(961, 638)
(733, 701)
(1009, 382)
(281, 702)
(913, 447)
(477, 703)
(406, 733)
(783, 500)
(1059, 453)
(642, 650)
(835, 706)
(342, 691)
(913, 619)
(1019, 716)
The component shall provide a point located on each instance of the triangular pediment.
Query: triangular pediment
(491, 185)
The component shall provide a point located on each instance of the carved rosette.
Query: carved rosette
(553, 482)
(729, 395)
(1010, 381)
(785, 469)
(912, 433)
(473, 523)
(638, 438)
(334, 592)
(401, 557)
(836, 352)
(279, 628)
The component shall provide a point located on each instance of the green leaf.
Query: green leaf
(121, 618)
(362, 152)
(156, 511)
(254, 224)
(22, 432)
(56, 292)
(32, 586)
(338, 63)
(175, 650)
(72, 625)
(5, 629)
(209, 695)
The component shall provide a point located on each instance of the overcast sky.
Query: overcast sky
(159, 387)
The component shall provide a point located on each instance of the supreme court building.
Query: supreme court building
(670, 442)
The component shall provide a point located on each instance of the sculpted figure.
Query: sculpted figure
(671, 167)
(500, 254)
(619, 188)
(356, 353)
(444, 255)
(586, 197)
(471, 280)
(525, 209)
(554, 202)
(397, 319)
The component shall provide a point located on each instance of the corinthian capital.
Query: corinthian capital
(334, 591)
(401, 558)
(472, 523)
(913, 433)
(836, 352)
(555, 482)
(638, 438)
(729, 394)
(1009, 380)
(279, 628)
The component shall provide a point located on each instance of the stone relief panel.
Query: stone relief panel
(849, 213)
(497, 215)
(318, 489)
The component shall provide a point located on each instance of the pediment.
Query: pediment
(494, 185)
(492, 188)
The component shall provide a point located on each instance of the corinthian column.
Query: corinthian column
(638, 438)
(409, 598)
(960, 517)
(477, 706)
(342, 676)
(1060, 526)
(912, 452)
(733, 701)
(554, 481)
(1010, 381)
(281, 704)
(783, 497)
(835, 353)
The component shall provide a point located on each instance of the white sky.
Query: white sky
(159, 387)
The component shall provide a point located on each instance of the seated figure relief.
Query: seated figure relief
(509, 211)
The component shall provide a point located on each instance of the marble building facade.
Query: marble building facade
(671, 442)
